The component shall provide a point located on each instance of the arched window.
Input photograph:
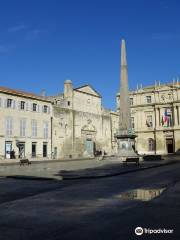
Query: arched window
(151, 144)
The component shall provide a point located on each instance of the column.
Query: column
(157, 116)
(178, 115)
(175, 120)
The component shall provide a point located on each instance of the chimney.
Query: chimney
(43, 93)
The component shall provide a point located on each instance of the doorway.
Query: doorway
(45, 149)
(8, 149)
(33, 149)
(170, 145)
(89, 147)
(21, 147)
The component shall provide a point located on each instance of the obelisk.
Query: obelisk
(124, 119)
(125, 136)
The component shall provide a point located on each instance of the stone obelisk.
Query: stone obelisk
(125, 136)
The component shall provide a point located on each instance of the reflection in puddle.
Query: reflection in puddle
(141, 194)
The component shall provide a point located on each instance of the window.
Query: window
(69, 103)
(22, 105)
(132, 122)
(131, 101)
(34, 128)
(22, 127)
(148, 99)
(45, 109)
(45, 149)
(149, 122)
(9, 103)
(45, 129)
(151, 144)
(8, 126)
(34, 107)
(33, 149)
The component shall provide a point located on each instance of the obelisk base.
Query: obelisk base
(125, 146)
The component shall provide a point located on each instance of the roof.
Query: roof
(157, 87)
(22, 94)
(88, 89)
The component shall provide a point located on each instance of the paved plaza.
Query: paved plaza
(77, 168)
(105, 208)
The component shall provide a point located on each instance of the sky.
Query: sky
(45, 42)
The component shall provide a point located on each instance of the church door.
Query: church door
(89, 147)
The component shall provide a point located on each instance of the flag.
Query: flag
(166, 119)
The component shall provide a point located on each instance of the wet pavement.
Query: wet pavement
(141, 194)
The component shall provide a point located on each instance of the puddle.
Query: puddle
(141, 194)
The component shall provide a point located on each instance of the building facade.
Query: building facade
(75, 124)
(25, 129)
(155, 117)
(81, 126)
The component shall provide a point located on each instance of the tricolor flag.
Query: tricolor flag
(166, 119)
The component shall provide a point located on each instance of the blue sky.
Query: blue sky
(44, 42)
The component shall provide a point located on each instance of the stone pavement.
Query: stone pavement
(91, 209)
(76, 169)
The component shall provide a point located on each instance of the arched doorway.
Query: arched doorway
(88, 133)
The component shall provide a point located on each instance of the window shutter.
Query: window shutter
(49, 110)
(42, 109)
(5, 103)
(38, 108)
(27, 107)
(14, 104)
(19, 105)
(0, 102)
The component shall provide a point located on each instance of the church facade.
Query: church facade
(81, 126)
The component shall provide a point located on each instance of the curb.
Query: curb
(118, 173)
(33, 178)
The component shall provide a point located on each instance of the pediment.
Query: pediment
(89, 90)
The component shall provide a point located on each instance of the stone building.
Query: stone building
(81, 125)
(75, 124)
(155, 117)
(25, 129)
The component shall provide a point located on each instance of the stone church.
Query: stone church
(81, 125)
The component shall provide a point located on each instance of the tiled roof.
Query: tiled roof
(22, 93)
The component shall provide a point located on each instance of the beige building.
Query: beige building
(155, 117)
(25, 129)
(81, 126)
